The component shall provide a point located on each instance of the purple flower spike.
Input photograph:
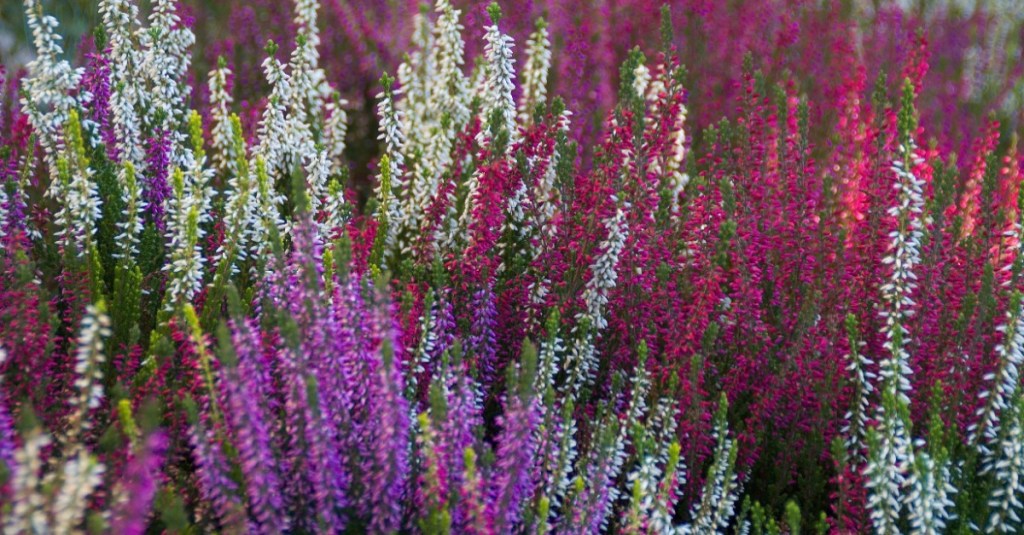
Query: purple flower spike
(389, 471)
(156, 189)
(512, 484)
(241, 390)
(141, 480)
(482, 338)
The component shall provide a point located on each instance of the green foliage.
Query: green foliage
(127, 298)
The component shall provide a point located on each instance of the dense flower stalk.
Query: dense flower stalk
(120, 20)
(390, 463)
(500, 76)
(48, 102)
(140, 486)
(892, 456)
(535, 72)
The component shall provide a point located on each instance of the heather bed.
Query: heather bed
(740, 288)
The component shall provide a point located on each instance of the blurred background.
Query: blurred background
(973, 47)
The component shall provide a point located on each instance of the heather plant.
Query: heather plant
(800, 313)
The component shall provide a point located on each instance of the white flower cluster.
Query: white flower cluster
(613, 455)
(4, 212)
(79, 212)
(27, 513)
(128, 100)
(237, 212)
(594, 496)
(641, 79)
(898, 472)
(568, 451)
(669, 166)
(431, 107)
(89, 364)
(392, 133)
(659, 474)
(888, 463)
(656, 477)
(892, 455)
(1005, 380)
(167, 44)
(414, 83)
(930, 498)
(82, 474)
(337, 210)
(516, 223)
(674, 168)
(392, 130)
(500, 79)
(427, 147)
(603, 270)
(149, 67)
(49, 106)
(273, 146)
(1006, 501)
(541, 201)
(312, 98)
(425, 348)
(721, 488)
(190, 208)
(335, 129)
(557, 432)
(661, 510)
(56, 502)
(637, 408)
(130, 228)
(549, 360)
(311, 80)
(448, 57)
(583, 357)
(856, 419)
(302, 128)
(128, 96)
(999, 430)
(48, 101)
(904, 255)
(535, 72)
(224, 156)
